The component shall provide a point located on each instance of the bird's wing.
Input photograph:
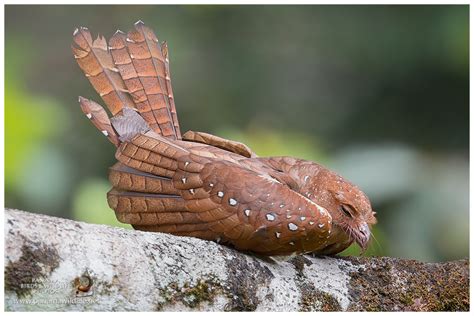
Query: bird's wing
(216, 141)
(170, 189)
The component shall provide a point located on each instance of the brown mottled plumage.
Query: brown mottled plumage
(198, 184)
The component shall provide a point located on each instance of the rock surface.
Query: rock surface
(55, 264)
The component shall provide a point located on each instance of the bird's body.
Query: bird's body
(198, 184)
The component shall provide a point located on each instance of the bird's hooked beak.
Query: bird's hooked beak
(362, 236)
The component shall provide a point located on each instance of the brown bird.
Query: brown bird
(198, 184)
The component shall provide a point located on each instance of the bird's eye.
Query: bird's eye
(346, 209)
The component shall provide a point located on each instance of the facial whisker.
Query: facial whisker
(376, 241)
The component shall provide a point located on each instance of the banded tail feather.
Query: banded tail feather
(97, 115)
(130, 72)
(150, 65)
(174, 114)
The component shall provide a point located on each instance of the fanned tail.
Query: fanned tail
(131, 72)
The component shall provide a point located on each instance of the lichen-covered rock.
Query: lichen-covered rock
(54, 264)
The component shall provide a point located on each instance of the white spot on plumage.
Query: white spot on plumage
(191, 191)
(321, 225)
(311, 223)
(277, 234)
(282, 205)
(270, 217)
(291, 243)
(220, 194)
(105, 132)
(167, 60)
(306, 178)
(288, 216)
(302, 218)
(247, 212)
(89, 115)
(183, 180)
(130, 41)
(232, 202)
(218, 239)
(75, 31)
(186, 163)
(211, 184)
(168, 78)
(322, 210)
(292, 227)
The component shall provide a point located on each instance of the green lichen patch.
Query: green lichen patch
(36, 262)
(204, 290)
(315, 300)
(408, 285)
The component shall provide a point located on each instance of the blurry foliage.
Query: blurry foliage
(31, 124)
(90, 204)
(271, 142)
(378, 93)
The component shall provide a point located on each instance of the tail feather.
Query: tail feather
(145, 52)
(144, 55)
(99, 118)
(174, 114)
(124, 63)
(95, 60)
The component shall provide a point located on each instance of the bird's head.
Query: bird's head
(350, 209)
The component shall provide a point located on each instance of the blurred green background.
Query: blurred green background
(378, 93)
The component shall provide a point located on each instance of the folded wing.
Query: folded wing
(211, 199)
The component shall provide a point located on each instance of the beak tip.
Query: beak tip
(364, 237)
